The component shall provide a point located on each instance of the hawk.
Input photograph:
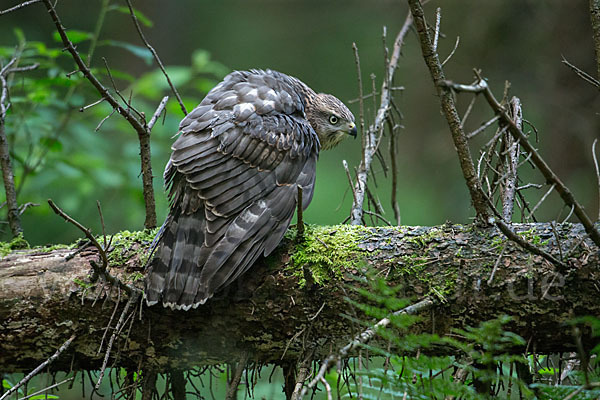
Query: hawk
(233, 180)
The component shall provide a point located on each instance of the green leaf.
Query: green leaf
(138, 14)
(139, 51)
(154, 83)
(51, 144)
(202, 63)
(20, 35)
(74, 36)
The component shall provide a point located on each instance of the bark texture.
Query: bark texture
(292, 301)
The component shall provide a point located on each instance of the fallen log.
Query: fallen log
(295, 298)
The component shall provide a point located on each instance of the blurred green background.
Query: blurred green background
(63, 158)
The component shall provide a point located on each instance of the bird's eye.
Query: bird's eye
(333, 119)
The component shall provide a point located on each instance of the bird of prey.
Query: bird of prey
(233, 180)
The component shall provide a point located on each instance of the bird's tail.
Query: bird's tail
(173, 273)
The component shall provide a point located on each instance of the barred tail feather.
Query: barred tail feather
(174, 271)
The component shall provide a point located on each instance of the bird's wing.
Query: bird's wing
(240, 157)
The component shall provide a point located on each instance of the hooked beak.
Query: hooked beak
(352, 132)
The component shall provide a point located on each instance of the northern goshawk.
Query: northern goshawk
(233, 180)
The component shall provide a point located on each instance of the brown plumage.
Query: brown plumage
(233, 178)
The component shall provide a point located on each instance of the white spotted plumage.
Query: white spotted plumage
(233, 178)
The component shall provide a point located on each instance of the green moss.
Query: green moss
(533, 238)
(328, 251)
(125, 245)
(17, 243)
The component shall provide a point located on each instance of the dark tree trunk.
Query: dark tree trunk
(475, 274)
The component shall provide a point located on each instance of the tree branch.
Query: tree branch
(19, 6)
(595, 19)
(127, 113)
(449, 108)
(14, 216)
(155, 55)
(551, 178)
(450, 262)
(373, 135)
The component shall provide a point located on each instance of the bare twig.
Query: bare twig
(19, 6)
(132, 299)
(155, 55)
(512, 162)
(595, 157)
(482, 127)
(373, 133)
(14, 219)
(40, 367)
(159, 110)
(436, 35)
(237, 376)
(345, 164)
(46, 388)
(582, 74)
(536, 159)
(448, 106)
(82, 109)
(363, 338)
(138, 124)
(491, 278)
(595, 19)
(300, 218)
(452, 52)
(508, 232)
(542, 199)
(99, 270)
(303, 373)
(394, 167)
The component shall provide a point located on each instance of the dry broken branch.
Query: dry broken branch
(372, 136)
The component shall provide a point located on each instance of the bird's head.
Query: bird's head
(330, 119)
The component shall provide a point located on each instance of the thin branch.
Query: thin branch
(237, 376)
(19, 6)
(394, 167)
(155, 55)
(159, 110)
(46, 388)
(99, 270)
(482, 127)
(375, 130)
(452, 52)
(595, 19)
(363, 338)
(536, 159)
(542, 199)
(303, 373)
(132, 299)
(512, 162)
(82, 109)
(13, 214)
(597, 172)
(14, 219)
(40, 367)
(449, 108)
(300, 218)
(345, 164)
(582, 74)
(510, 234)
(136, 123)
(438, 20)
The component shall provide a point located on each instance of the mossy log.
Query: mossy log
(295, 298)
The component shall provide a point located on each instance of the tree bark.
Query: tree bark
(595, 19)
(474, 273)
